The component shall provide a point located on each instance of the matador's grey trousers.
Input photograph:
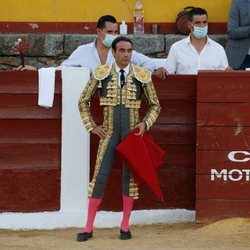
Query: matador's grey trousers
(121, 128)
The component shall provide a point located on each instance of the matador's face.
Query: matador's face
(123, 53)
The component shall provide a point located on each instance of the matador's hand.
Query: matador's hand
(142, 128)
(99, 130)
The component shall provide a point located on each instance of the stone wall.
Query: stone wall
(51, 49)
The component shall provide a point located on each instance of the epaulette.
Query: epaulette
(102, 71)
(141, 74)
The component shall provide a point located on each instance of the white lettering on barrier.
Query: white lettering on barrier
(232, 156)
(222, 174)
(232, 175)
(247, 171)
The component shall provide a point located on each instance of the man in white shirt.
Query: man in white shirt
(99, 52)
(197, 51)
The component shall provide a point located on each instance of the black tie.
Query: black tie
(122, 77)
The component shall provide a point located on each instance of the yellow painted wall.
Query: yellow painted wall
(91, 10)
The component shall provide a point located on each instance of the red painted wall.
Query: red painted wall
(90, 27)
(30, 146)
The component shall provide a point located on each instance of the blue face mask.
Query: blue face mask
(200, 32)
(108, 40)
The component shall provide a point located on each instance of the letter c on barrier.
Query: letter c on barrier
(242, 155)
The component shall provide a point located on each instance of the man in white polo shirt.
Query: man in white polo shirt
(197, 51)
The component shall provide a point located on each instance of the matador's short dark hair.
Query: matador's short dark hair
(121, 39)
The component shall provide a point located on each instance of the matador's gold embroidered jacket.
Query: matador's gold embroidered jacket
(138, 84)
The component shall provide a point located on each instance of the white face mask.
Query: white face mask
(108, 40)
(200, 32)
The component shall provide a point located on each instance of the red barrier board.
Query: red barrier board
(30, 146)
(223, 144)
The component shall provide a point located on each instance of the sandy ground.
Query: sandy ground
(226, 234)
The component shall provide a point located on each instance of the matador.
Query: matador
(121, 87)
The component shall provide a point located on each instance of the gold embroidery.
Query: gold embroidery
(131, 87)
(141, 74)
(131, 95)
(102, 71)
(132, 103)
(110, 101)
(84, 101)
(112, 85)
(133, 188)
(112, 93)
(154, 105)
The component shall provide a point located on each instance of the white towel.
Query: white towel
(46, 83)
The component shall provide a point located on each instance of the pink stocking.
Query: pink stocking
(128, 202)
(92, 209)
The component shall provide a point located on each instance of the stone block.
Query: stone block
(53, 45)
(41, 44)
(9, 62)
(148, 44)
